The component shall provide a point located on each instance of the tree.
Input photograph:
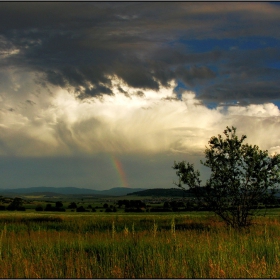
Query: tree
(242, 175)
(48, 207)
(58, 204)
(81, 209)
(72, 205)
(39, 208)
(16, 204)
(166, 204)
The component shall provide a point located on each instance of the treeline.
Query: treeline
(140, 206)
(16, 204)
(180, 206)
(59, 207)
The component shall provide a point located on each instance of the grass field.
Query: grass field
(107, 245)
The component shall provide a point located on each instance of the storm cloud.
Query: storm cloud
(147, 45)
(147, 82)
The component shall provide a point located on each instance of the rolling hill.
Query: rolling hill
(173, 192)
(69, 191)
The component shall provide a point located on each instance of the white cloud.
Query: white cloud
(43, 124)
(255, 110)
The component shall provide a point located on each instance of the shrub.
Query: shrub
(81, 209)
(39, 208)
(72, 205)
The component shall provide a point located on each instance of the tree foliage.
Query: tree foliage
(16, 204)
(72, 205)
(241, 177)
(58, 204)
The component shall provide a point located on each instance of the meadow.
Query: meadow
(142, 245)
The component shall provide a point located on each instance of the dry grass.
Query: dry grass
(136, 247)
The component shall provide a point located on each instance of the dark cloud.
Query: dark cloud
(30, 102)
(195, 74)
(247, 78)
(137, 76)
(140, 93)
(97, 90)
(120, 89)
(244, 92)
(56, 78)
(82, 45)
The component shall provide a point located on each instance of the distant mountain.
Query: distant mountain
(173, 192)
(69, 191)
(120, 191)
(52, 191)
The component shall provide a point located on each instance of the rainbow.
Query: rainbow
(119, 168)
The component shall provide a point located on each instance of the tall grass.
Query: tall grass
(40, 246)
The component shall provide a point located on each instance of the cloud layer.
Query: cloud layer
(53, 121)
(222, 51)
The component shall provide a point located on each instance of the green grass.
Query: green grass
(138, 245)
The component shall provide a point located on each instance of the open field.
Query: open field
(145, 245)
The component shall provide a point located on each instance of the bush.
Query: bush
(39, 208)
(16, 204)
(133, 210)
(72, 205)
(48, 207)
(11, 207)
(81, 209)
(58, 204)
(160, 210)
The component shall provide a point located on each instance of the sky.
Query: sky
(109, 94)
